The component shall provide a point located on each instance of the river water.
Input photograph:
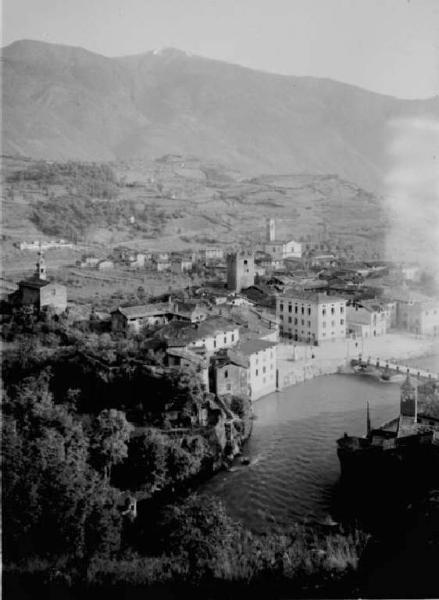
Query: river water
(294, 467)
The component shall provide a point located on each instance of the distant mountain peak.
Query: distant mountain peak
(169, 52)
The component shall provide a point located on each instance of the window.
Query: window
(257, 372)
(229, 386)
(225, 339)
(295, 309)
(309, 323)
(233, 337)
(332, 310)
(214, 343)
(281, 306)
(295, 321)
(290, 308)
(324, 312)
(303, 310)
(226, 373)
(289, 320)
(341, 309)
(341, 321)
(281, 317)
(246, 262)
(309, 310)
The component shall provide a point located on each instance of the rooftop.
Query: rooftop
(143, 310)
(313, 297)
(253, 346)
(181, 332)
(35, 282)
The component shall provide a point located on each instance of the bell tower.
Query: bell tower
(40, 271)
(271, 230)
(408, 398)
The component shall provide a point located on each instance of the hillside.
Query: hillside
(178, 203)
(63, 103)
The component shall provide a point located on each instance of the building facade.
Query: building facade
(418, 317)
(366, 320)
(261, 374)
(311, 317)
(279, 250)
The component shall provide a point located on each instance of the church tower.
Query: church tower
(40, 271)
(271, 230)
(408, 398)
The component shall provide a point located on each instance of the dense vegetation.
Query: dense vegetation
(91, 421)
(77, 198)
(91, 179)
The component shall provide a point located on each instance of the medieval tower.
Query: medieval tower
(240, 270)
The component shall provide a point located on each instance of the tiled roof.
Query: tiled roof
(34, 282)
(252, 346)
(190, 356)
(320, 298)
(179, 331)
(143, 310)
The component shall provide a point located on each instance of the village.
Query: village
(258, 319)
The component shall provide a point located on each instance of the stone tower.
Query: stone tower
(240, 270)
(271, 230)
(40, 271)
(408, 398)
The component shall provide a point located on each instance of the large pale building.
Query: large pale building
(311, 317)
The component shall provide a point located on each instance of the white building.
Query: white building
(311, 317)
(366, 320)
(261, 373)
(419, 317)
(280, 249)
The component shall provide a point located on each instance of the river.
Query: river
(294, 468)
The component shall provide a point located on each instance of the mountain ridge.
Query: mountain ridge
(64, 102)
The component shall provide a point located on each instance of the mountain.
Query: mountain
(62, 102)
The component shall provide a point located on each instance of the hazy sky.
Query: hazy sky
(388, 46)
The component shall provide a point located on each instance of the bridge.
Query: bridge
(387, 366)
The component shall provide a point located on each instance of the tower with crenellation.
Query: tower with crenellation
(240, 270)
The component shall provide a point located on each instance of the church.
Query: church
(39, 292)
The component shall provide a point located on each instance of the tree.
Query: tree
(145, 468)
(109, 440)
